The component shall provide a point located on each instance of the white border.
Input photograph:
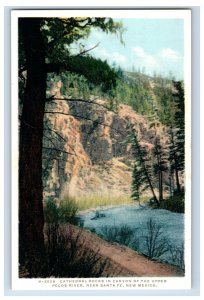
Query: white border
(34, 284)
(14, 147)
(187, 89)
(140, 14)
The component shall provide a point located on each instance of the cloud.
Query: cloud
(163, 62)
(169, 54)
(139, 51)
(145, 58)
(119, 58)
(111, 57)
(102, 53)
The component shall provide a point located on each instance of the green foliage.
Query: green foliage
(83, 87)
(64, 212)
(97, 200)
(160, 164)
(60, 36)
(163, 103)
(60, 33)
(142, 172)
(96, 71)
(137, 182)
(159, 153)
(133, 89)
(51, 212)
(68, 210)
(176, 130)
(180, 125)
(174, 203)
(163, 97)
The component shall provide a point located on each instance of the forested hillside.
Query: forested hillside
(126, 143)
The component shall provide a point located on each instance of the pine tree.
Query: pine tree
(177, 134)
(160, 165)
(143, 173)
(158, 155)
(137, 182)
(180, 124)
(44, 47)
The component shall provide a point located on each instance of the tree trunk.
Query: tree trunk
(152, 189)
(160, 186)
(175, 168)
(178, 187)
(146, 171)
(31, 220)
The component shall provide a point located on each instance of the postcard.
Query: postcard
(101, 155)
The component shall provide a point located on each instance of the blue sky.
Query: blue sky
(154, 45)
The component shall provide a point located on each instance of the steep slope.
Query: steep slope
(95, 156)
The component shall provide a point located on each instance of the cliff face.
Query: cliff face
(95, 157)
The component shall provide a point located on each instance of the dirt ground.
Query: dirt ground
(125, 262)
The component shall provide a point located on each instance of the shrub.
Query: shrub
(109, 233)
(119, 234)
(155, 244)
(66, 254)
(174, 203)
(51, 213)
(125, 235)
(65, 212)
(68, 210)
(69, 256)
(177, 256)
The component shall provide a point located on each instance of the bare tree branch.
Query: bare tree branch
(80, 100)
(51, 141)
(56, 146)
(52, 130)
(72, 148)
(59, 150)
(87, 50)
(85, 118)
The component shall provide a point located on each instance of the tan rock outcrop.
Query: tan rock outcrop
(96, 157)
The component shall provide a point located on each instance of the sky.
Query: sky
(151, 45)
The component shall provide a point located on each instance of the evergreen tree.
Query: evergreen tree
(180, 124)
(177, 134)
(143, 173)
(137, 182)
(44, 47)
(160, 165)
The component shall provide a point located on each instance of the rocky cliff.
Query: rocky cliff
(85, 149)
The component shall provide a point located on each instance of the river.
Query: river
(154, 232)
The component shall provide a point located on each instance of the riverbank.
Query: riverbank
(130, 225)
(123, 261)
(175, 203)
(101, 205)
